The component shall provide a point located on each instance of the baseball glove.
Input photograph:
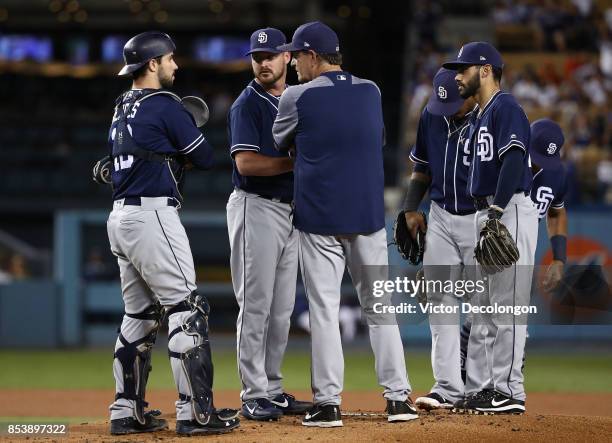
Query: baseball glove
(410, 249)
(101, 172)
(496, 249)
(197, 108)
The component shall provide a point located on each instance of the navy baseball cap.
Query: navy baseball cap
(266, 40)
(476, 53)
(445, 99)
(315, 36)
(545, 143)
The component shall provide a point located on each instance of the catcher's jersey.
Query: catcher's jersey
(250, 129)
(499, 126)
(439, 147)
(335, 123)
(549, 189)
(160, 124)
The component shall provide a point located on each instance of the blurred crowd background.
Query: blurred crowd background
(558, 64)
(59, 58)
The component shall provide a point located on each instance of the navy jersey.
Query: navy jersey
(549, 189)
(499, 126)
(250, 129)
(156, 122)
(335, 123)
(439, 147)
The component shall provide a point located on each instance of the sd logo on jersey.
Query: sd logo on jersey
(544, 196)
(484, 145)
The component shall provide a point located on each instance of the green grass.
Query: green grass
(93, 369)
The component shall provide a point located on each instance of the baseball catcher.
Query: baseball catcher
(496, 249)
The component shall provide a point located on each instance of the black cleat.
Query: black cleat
(289, 405)
(401, 410)
(129, 425)
(494, 402)
(327, 416)
(260, 409)
(220, 422)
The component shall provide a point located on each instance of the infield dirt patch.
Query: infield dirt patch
(550, 417)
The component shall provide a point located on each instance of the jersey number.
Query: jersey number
(484, 148)
(466, 151)
(123, 162)
(544, 196)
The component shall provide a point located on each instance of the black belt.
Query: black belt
(277, 199)
(482, 203)
(463, 212)
(135, 201)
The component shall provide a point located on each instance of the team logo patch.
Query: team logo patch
(552, 148)
(442, 93)
(262, 37)
(341, 77)
(483, 58)
(306, 45)
(484, 147)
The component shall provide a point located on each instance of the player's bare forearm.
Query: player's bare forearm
(556, 222)
(254, 164)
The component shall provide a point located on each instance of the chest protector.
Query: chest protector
(123, 141)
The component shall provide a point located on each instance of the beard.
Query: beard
(471, 88)
(269, 78)
(166, 81)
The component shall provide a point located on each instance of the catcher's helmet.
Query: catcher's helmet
(144, 47)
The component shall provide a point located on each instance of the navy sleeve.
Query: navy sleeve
(419, 151)
(245, 129)
(186, 137)
(511, 129)
(559, 200)
(508, 180)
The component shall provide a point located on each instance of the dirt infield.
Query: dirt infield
(550, 417)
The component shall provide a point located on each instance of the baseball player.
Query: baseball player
(441, 165)
(499, 181)
(263, 242)
(150, 130)
(334, 122)
(548, 193)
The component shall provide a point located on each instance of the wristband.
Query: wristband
(559, 247)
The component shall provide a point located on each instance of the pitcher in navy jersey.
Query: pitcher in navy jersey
(264, 257)
(334, 122)
(151, 136)
(499, 181)
(441, 165)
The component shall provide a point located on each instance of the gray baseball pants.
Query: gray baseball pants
(264, 272)
(323, 259)
(155, 265)
(449, 252)
(497, 341)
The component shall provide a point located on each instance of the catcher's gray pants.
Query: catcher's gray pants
(497, 342)
(323, 259)
(264, 272)
(449, 248)
(155, 264)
